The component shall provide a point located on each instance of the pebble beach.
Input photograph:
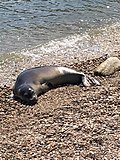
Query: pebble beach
(69, 122)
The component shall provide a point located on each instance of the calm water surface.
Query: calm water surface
(27, 23)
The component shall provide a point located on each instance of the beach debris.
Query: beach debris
(108, 67)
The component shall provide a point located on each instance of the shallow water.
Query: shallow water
(27, 23)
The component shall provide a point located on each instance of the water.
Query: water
(29, 23)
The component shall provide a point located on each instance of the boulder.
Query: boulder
(108, 67)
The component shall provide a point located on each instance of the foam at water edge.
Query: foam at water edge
(98, 41)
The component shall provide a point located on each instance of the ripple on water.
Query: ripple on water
(25, 24)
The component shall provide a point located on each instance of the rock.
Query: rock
(108, 67)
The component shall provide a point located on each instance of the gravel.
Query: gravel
(69, 122)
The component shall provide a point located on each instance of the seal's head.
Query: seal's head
(27, 94)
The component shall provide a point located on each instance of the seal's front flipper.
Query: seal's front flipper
(46, 87)
(89, 81)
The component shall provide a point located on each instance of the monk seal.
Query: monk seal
(36, 81)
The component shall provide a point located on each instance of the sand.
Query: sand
(69, 122)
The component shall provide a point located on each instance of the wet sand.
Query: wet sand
(69, 122)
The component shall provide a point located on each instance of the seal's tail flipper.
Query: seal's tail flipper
(89, 81)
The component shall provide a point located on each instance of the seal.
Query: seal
(36, 81)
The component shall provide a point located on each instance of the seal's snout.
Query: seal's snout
(30, 96)
(27, 94)
(33, 98)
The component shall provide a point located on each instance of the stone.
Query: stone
(108, 67)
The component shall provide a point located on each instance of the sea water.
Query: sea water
(63, 28)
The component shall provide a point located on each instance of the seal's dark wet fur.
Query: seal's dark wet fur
(36, 81)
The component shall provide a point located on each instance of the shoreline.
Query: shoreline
(69, 122)
(13, 64)
(65, 51)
